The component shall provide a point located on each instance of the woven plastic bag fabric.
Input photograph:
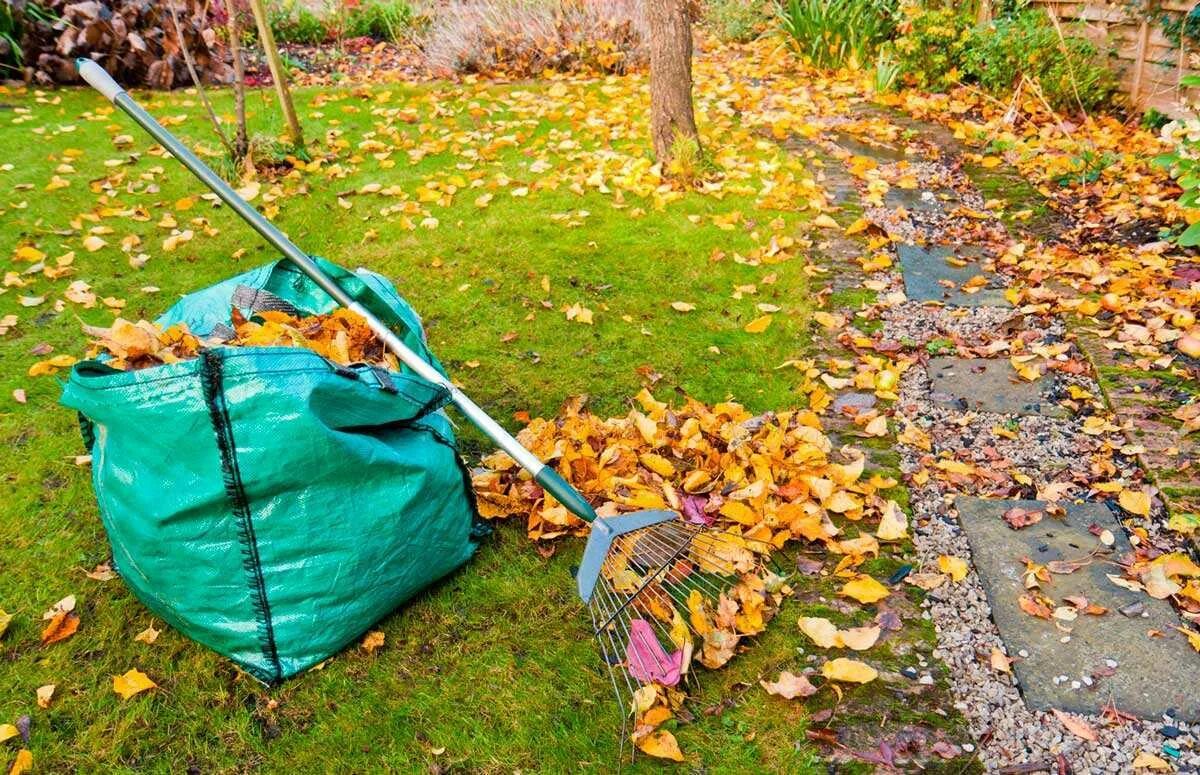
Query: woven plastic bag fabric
(264, 501)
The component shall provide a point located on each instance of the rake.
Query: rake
(637, 569)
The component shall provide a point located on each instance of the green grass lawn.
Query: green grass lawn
(492, 670)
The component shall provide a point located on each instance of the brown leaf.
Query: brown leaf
(62, 626)
(1076, 725)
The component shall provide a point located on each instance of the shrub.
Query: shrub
(525, 37)
(1027, 45)
(929, 50)
(293, 23)
(837, 33)
(738, 21)
(1183, 163)
(379, 19)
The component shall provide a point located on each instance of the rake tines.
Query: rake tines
(650, 582)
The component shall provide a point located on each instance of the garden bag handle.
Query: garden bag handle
(99, 79)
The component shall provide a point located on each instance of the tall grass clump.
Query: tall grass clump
(837, 33)
(526, 37)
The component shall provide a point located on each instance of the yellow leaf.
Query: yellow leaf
(23, 763)
(148, 635)
(5, 619)
(954, 567)
(1135, 502)
(825, 222)
(865, 589)
(821, 631)
(860, 638)
(373, 641)
(661, 744)
(789, 686)
(682, 306)
(849, 671)
(29, 253)
(1148, 761)
(893, 526)
(44, 695)
(93, 243)
(758, 325)
(862, 224)
(133, 682)
(740, 512)
(7, 732)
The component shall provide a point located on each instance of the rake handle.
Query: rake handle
(99, 79)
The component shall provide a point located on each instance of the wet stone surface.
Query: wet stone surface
(913, 200)
(1087, 663)
(929, 276)
(987, 385)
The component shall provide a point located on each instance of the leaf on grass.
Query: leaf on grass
(62, 626)
(148, 635)
(44, 695)
(131, 683)
(5, 620)
(661, 744)
(790, 686)
(23, 763)
(822, 632)
(682, 306)
(373, 641)
(1075, 725)
(8, 732)
(758, 325)
(893, 525)
(865, 589)
(849, 671)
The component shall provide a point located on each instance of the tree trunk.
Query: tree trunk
(241, 141)
(277, 74)
(671, 114)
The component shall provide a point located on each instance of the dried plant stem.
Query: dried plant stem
(191, 67)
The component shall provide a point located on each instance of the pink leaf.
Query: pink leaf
(646, 659)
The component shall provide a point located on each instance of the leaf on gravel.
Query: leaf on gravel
(865, 589)
(926, 581)
(1148, 761)
(954, 567)
(1000, 662)
(62, 626)
(1135, 502)
(661, 744)
(790, 686)
(131, 683)
(1075, 725)
(849, 671)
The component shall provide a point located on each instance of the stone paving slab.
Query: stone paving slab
(986, 385)
(1153, 674)
(925, 267)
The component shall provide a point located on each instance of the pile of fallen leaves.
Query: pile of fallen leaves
(756, 483)
(137, 42)
(342, 336)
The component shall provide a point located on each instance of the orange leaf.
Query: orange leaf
(662, 745)
(62, 626)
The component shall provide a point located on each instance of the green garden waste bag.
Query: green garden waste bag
(265, 501)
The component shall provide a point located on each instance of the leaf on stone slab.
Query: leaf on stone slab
(1018, 518)
(789, 686)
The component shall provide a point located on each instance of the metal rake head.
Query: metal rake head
(641, 605)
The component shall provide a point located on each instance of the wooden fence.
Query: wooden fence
(1148, 63)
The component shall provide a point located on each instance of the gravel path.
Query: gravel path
(1007, 732)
